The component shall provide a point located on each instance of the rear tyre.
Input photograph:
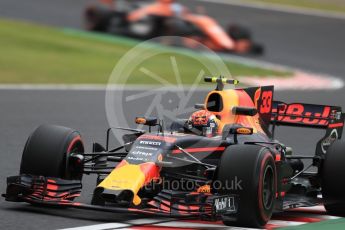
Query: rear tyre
(97, 18)
(257, 49)
(239, 33)
(254, 166)
(333, 183)
(47, 151)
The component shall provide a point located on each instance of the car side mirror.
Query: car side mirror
(236, 130)
(149, 121)
(247, 111)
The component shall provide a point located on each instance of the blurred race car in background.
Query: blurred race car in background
(149, 19)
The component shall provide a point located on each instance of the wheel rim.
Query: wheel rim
(142, 28)
(75, 147)
(268, 187)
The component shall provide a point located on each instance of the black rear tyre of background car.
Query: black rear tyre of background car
(255, 167)
(47, 150)
(333, 183)
(257, 49)
(237, 32)
(97, 18)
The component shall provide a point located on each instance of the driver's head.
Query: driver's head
(205, 122)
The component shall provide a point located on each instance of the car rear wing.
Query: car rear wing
(307, 115)
(329, 118)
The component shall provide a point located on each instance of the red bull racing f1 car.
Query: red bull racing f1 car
(168, 18)
(223, 163)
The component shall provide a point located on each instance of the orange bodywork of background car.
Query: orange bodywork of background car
(231, 98)
(109, 3)
(162, 9)
(216, 38)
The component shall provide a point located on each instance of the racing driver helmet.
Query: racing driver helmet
(205, 122)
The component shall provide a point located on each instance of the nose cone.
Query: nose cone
(124, 182)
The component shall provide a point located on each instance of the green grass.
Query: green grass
(326, 5)
(337, 224)
(32, 53)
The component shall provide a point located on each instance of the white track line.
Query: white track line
(335, 82)
(97, 87)
(156, 223)
(294, 82)
(280, 8)
(175, 224)
(286, 223)
(86, 87)
(99, 226)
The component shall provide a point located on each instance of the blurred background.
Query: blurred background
(47, 42)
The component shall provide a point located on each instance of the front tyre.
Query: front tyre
(254, 166)
(333, 183)
(47, 153)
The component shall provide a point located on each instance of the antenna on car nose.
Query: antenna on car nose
(221, 81)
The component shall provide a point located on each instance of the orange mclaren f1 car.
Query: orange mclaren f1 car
(240, 174)
(168, 18)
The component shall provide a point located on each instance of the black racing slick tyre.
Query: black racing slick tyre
(333, 183)
(253, 170)
(47, 153)
(238, 32)
(257, 49)
(97, 18)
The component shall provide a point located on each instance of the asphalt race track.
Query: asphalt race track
(307, 42)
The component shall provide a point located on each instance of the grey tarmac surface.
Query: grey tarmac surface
(311, 43)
